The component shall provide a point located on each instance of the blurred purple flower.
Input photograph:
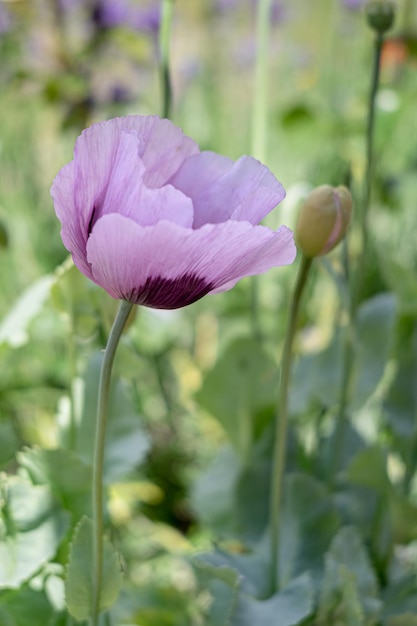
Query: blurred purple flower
(6, 20)
(277, 8)
(223, 6)
(110, 13)
(114, 13)
(277, 12)
(154, 221)
(147, 20)
(353, 4)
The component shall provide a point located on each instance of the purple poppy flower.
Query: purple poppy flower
(147, 20)
(6, 20)
(353, 4)
(154, 221)
(109, 14)
(114, 13)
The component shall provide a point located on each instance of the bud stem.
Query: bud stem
(349, 346)
(281, 422)
(369, 162)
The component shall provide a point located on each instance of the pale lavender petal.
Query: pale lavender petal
(128, 195)
(265, 249)
(161, 146)
(221, 189)
(189, 263)
(165, 150)
(73, 237)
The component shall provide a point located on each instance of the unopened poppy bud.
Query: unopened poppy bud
(380, 15)
(323, 220)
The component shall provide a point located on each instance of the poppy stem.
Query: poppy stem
(164, 41)
(281, 421)
(73, 428)
(99, 446)
(370, 132)
(260, 94)
(358, 278)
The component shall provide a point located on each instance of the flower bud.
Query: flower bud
(380, 15)
(323, 220)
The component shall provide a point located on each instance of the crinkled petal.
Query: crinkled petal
(128, 195)
(73, 237)
(222, 189)
(165, 150)
(160, 145)
(188, 264)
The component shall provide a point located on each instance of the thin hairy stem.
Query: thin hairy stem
(279, 456)
(358, 277)
(99, 445)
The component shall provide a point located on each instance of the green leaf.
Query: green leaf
(408, 619)
(71, 294)
(400, 594)
(79, 581)
(250, 568)
(68, 476)
(400, 404)
(212, 494)
(232, 581)
(232, 498)
(9, 442)
(14, 327)
(32, 527)
(153, 604)
(240, 392)
(308, 523)
(318, 377)
(369, 469)
(400, 280)
(223, 583)
(339, 601)
(252, 499)
(292, 605)
(376, 318)
(352, 444)
(126, 442)
(24, 607)
(350, 587)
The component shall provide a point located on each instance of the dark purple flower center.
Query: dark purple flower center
(169, 293)
(91, 222)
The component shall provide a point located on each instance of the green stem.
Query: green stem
(164, 41)
(278, 461)
(370, 132)
(260, 98)
(72, 443)
(259, 125)
(99, 445)
(349, 348)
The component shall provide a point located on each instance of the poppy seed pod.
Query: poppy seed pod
(380, 15)
(323, 220)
